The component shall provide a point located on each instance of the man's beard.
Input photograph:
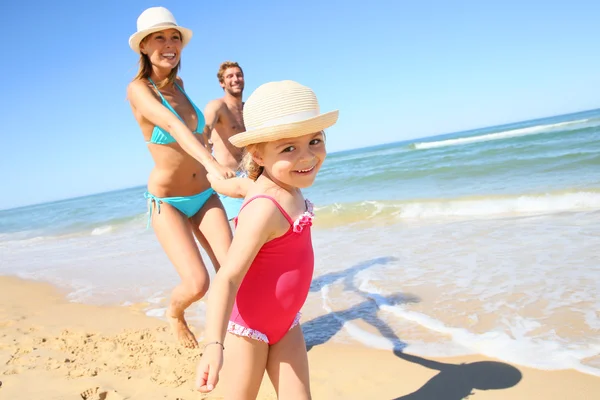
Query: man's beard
(237, 93)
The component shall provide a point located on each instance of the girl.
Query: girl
(182, 203)
(254, 306)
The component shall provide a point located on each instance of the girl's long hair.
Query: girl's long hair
(249, 165)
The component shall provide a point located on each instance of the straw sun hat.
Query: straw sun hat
(279, 110)
(156, 19)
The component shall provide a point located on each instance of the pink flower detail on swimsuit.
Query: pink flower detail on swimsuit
(305, 219)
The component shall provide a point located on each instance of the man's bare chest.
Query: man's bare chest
(233, 120)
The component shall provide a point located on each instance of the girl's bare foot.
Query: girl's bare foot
(182, 331)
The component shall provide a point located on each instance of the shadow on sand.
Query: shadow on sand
(453, 382)
(457, 381)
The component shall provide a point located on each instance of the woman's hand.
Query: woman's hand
(213, 179)
(218, 172)
(207, 373)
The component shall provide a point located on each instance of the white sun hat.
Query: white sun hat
(156, 19)
(278, 110)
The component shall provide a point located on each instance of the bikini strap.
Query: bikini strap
(159, 93)
(181, 90)
(285, 214)
(185, 94)
(164, 101)
(198, 112)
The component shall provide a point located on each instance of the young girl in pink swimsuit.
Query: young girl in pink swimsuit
(256, 297)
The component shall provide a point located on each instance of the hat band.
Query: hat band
(289, 119)
(159, 24)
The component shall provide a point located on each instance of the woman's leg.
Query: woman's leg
(175, 236)
(243, 367)
(287, 366)
(213, 231)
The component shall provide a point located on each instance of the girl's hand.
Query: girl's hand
(207, 374)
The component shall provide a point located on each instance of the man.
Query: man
(224, 118)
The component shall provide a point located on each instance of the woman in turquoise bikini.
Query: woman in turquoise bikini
(181, 201)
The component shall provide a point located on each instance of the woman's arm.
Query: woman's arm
(143, 100)
(259, 221)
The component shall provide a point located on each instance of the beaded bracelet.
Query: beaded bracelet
(215, 342)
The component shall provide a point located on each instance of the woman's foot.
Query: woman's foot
(182, 332)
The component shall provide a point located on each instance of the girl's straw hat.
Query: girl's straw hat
(278, 110)
(156, 19)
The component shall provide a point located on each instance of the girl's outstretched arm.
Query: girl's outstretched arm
(233, 187)
(258, 222)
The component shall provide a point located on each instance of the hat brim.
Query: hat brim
(285, 131)
(136, 38)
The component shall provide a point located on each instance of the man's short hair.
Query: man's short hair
(223, 67)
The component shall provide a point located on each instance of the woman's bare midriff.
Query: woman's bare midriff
(175, 172)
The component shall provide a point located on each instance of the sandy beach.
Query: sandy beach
(53, 349)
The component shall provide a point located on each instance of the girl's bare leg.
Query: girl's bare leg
(243, 367)
(287, 366)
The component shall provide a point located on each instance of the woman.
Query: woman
(181, 201)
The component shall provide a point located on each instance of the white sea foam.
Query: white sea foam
(102, 230)
(521, 290)
(517, 343)
(156, 312)
(549, 203)
(532, 130)
(515, 346)
(156, 299)
(25, 237)
(461, 208)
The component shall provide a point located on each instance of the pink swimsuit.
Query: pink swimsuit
(276, 285)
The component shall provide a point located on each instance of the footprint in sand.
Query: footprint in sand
(99, 393)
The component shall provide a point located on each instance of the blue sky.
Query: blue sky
(395, 69)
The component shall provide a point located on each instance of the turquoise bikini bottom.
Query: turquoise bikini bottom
(232, 206)
(188, 205)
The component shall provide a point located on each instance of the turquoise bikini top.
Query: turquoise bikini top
(159, 135)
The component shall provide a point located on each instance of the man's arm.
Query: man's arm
(211, 116)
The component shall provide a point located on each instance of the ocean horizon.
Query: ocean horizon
(334, 153)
